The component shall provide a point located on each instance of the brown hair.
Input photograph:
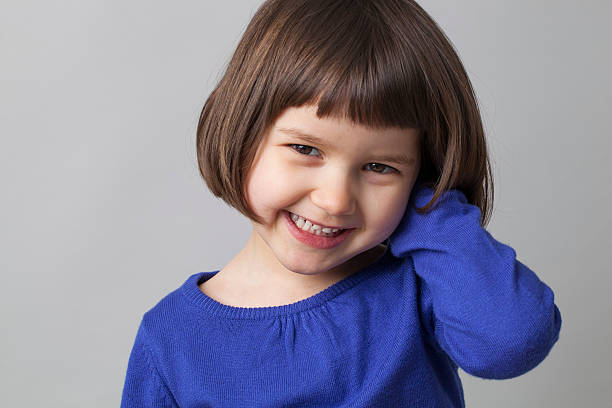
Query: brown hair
(379, 63)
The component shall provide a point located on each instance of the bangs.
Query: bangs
(347, 59)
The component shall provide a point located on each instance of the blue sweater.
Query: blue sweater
(444, 295)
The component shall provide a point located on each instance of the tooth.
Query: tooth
(308, 226)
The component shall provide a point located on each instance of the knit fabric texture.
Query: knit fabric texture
(445, 295)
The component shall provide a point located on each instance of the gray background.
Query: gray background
(102, 211)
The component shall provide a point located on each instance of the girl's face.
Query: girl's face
(344, 179)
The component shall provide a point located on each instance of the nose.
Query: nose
(333, 193)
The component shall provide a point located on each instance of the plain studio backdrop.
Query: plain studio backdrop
(103, 212)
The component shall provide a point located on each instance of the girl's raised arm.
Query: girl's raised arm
(489, 312)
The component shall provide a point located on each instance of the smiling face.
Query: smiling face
(344, 179)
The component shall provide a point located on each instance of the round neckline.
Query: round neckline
(192, 292)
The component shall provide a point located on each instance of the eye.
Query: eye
(376, 167)
(383, 166)
(301, 148)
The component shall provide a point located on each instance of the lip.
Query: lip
(318, 223)
(315, 241)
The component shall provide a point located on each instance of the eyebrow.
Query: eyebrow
(392, 158)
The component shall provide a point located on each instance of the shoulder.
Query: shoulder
(171, 313)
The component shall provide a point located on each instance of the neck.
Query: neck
(255, 270)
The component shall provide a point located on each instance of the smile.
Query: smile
(317, 229)
(317, 238)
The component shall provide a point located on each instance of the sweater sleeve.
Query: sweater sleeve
(143, 385)
(491, 314)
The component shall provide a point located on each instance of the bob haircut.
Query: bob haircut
(378, 63)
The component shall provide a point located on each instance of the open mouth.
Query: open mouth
(314, 229)
(321, 241)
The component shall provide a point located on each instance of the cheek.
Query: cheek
(268, 187)
(390, 216)
(387, 211)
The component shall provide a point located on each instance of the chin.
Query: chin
(298, 266)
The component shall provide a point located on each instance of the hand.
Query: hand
(424, 231)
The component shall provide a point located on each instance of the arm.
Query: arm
(143, 385)
(491, 314)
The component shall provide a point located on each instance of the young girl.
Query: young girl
(348, 132)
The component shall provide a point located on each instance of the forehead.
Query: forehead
(339, 135)
(328, 131)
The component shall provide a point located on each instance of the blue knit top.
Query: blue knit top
(445, 295)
